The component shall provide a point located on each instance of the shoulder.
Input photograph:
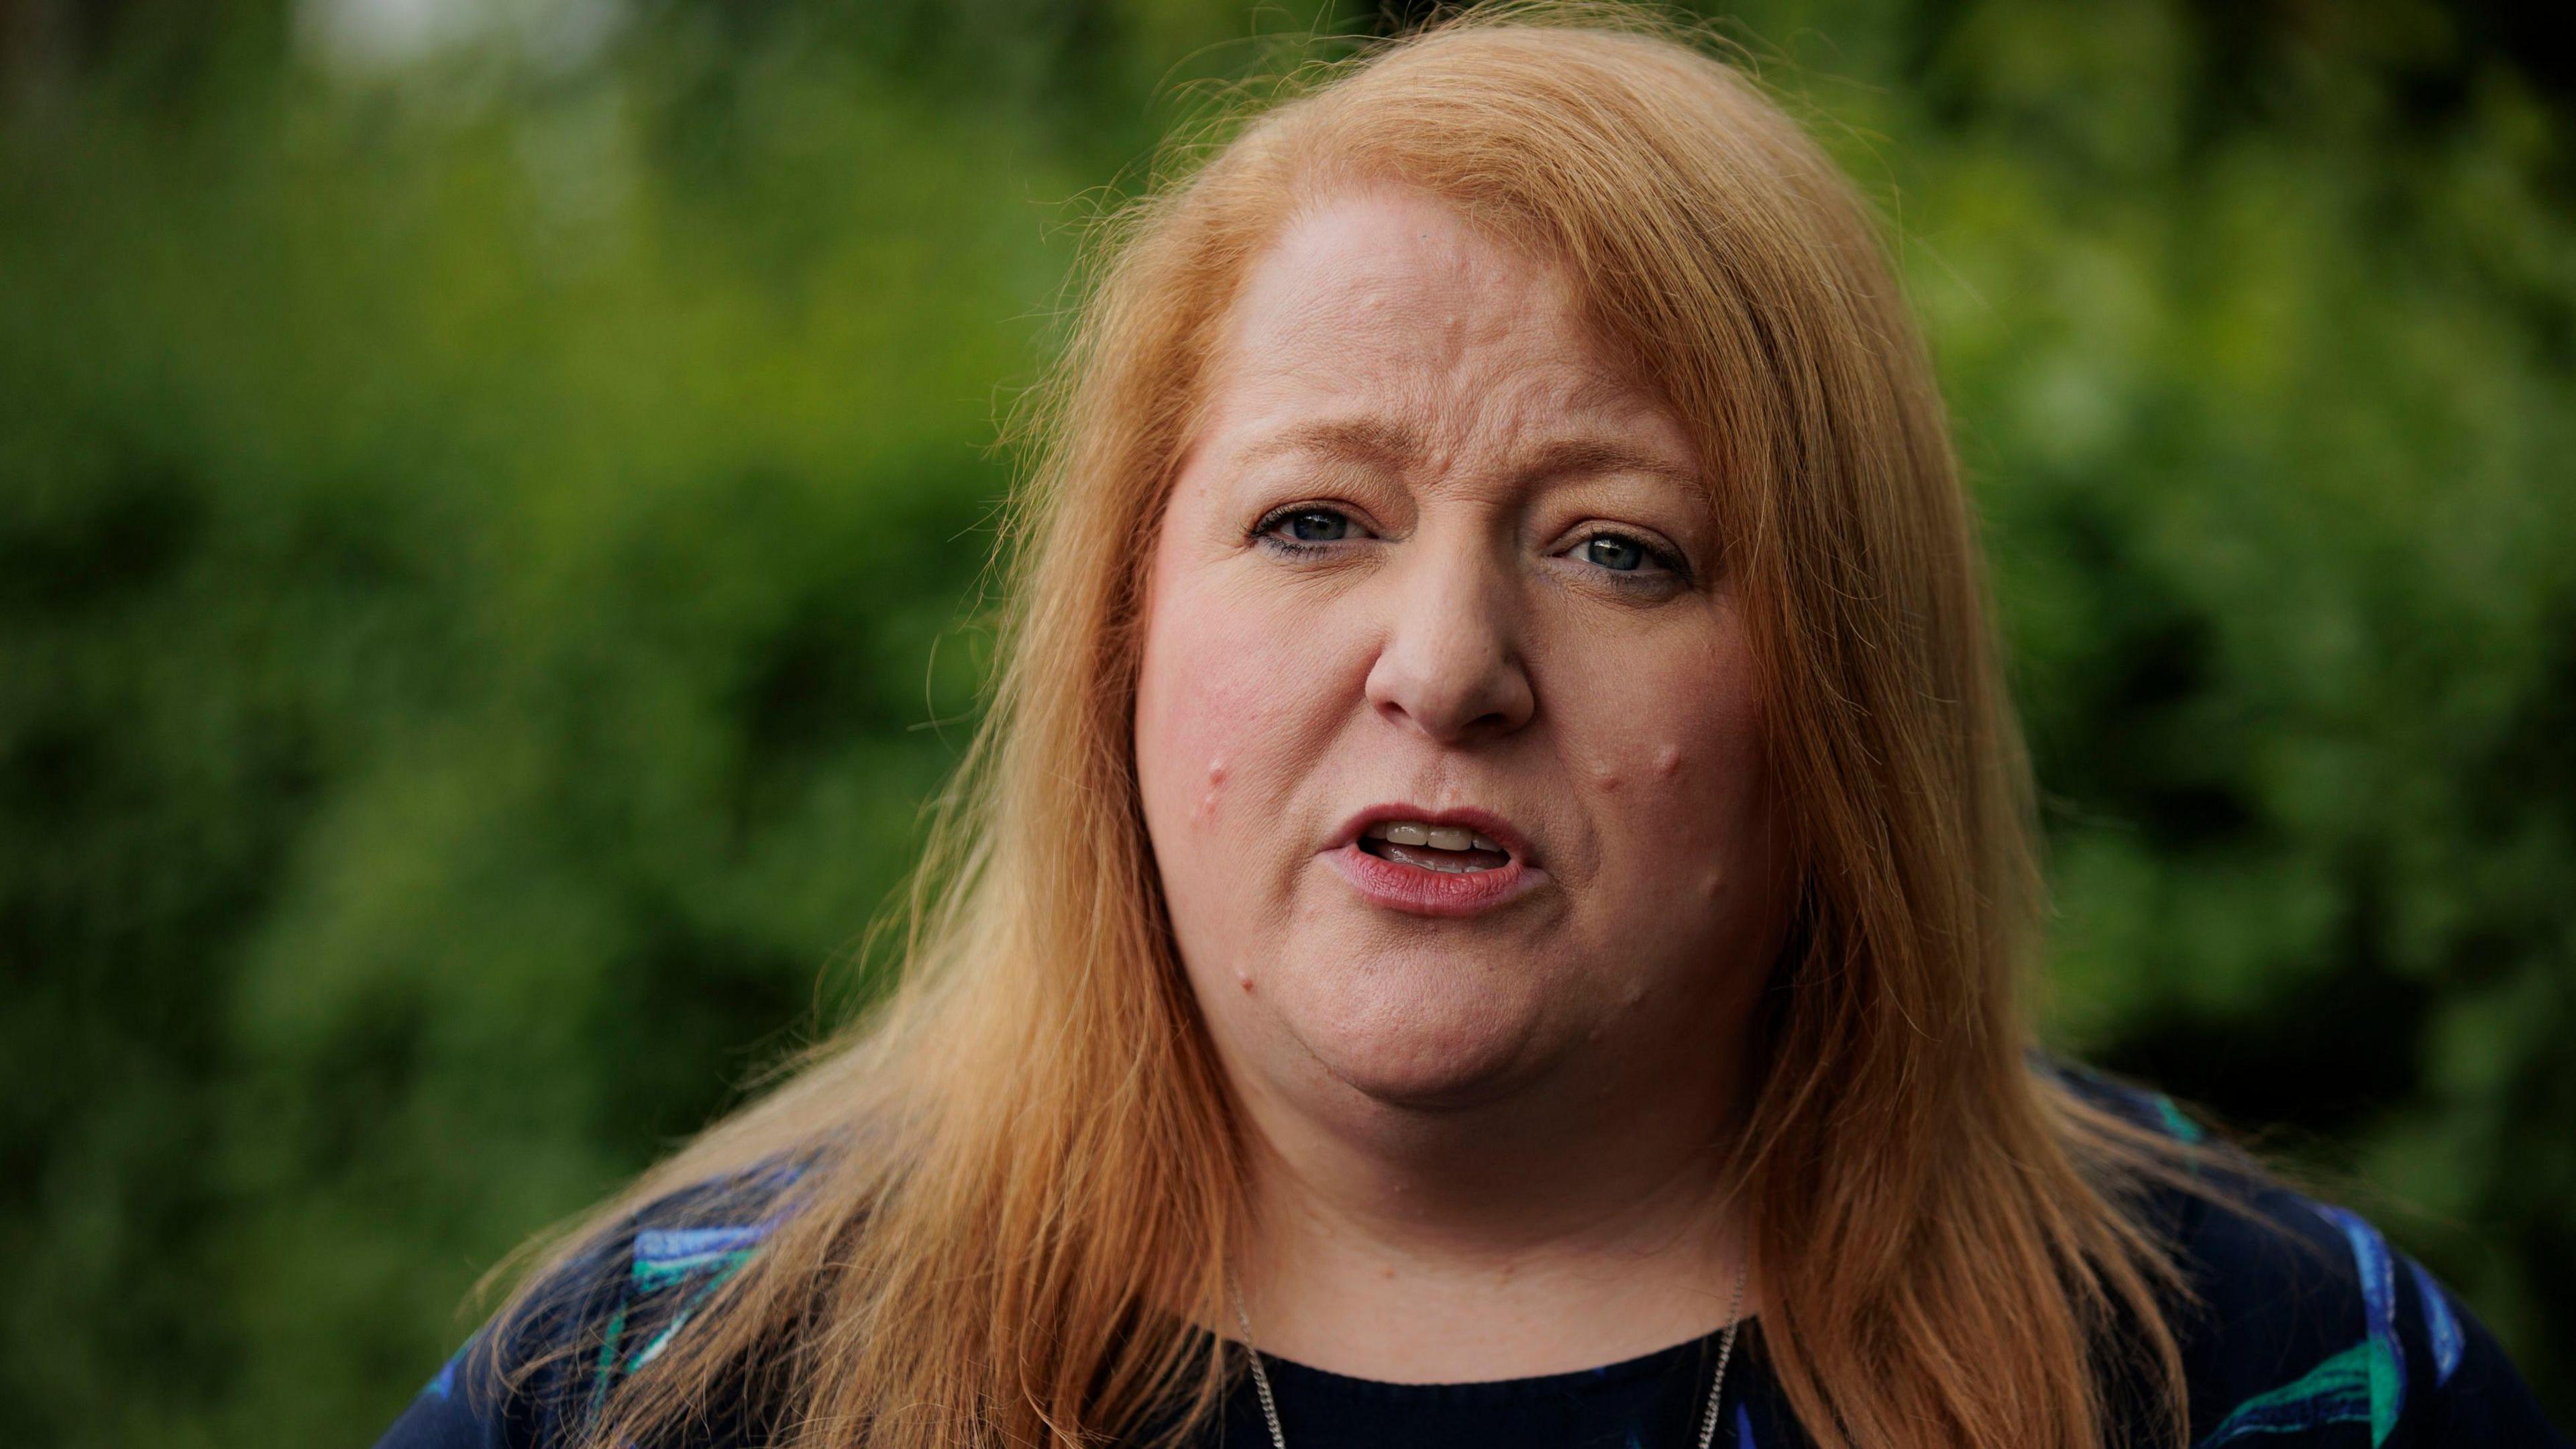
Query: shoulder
(532, 1377)
(2302, 1318)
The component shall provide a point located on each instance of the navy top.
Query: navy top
(2313, 1333)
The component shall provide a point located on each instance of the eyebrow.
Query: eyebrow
(1354, 440)
(1389, 444)
(1565, 456)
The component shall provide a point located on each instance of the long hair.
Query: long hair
(1024, 1177)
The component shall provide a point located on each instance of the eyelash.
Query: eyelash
(1672, 565)
(1295, 548)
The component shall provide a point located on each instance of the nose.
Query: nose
(1451, 664)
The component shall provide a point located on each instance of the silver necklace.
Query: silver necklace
(1707, 1423)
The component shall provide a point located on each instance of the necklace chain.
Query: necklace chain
(1707, 1423)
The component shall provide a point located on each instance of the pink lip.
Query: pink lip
(1429, 892)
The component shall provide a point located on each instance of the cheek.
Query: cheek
(1676, 762)
(1218, 712)
(1720, 767)
(1195, 721)
(1230, 720)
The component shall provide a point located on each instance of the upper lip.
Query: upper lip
(1470, 817)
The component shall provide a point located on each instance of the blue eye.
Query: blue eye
(1305, 530)
(1317, 525)
(1612, 551)
(1633, 564)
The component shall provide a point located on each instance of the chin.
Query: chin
(1423, 1050)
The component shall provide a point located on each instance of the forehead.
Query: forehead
(1387, 307)
(1353, 255)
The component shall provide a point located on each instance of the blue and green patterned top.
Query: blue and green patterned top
(2312, 1333)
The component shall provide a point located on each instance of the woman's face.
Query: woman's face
(1449, 748)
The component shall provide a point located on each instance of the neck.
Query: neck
(1557, 1227)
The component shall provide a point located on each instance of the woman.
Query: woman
(1494, 875)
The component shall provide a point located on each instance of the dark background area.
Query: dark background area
(493, 496)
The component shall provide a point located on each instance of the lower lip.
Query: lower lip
(1432, 892)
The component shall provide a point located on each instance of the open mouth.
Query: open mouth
(1448, 849)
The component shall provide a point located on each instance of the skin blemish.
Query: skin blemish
(1668, 760)
(1216, 785)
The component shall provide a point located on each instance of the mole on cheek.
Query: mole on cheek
(1216, 786)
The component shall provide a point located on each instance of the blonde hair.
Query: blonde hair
(1022, 1179)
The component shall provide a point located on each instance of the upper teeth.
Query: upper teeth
(1439, 837)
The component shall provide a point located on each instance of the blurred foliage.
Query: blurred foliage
(493, 499)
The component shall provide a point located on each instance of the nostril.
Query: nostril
(1444, 682)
